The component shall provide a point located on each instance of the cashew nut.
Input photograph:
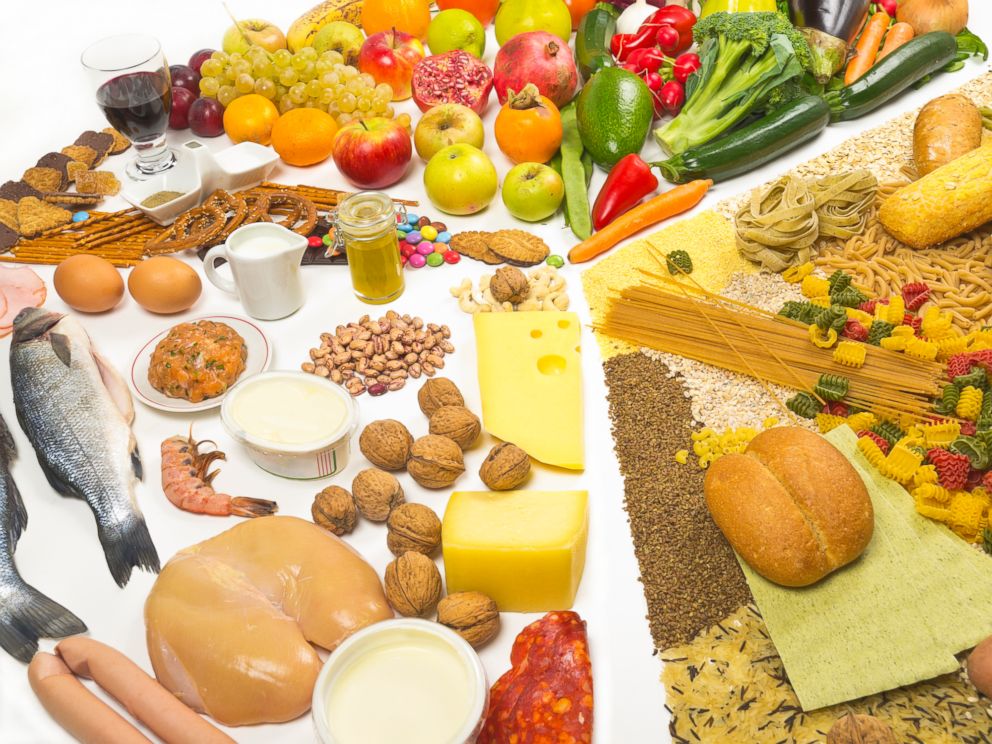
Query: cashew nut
(466, 305)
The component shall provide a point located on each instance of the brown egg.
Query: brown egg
(980, 667)
(164, 285)
(89, 284)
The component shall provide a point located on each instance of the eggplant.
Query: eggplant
(829, 26)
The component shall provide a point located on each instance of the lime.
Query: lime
(456, 29)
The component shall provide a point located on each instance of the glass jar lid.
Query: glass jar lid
(366, 212)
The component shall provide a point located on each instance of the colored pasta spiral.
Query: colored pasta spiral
(855, 330)
(894, 311)
(848, 297)
(915, 295)
(949, 397)
(834, 317)
(804, 312)
(871, 451)
(879, 329)
(854, 314)
(952, 469)
(976, 450)
(850, 354)
(969, 403)
(941, 434)
(880, 442)
(976, 378)
(838, 281)
(901, 463)
(822, 339)
(795, 274)
(889, 431)
(803, 404)
(827, 422)
(920, 349)
(862, 420)
(815, 286)
(925, 474)
(894, 343)
(832, 387)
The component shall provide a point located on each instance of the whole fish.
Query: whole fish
(25, 613)
(77, 413)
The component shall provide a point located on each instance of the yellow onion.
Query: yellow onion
(934, 15)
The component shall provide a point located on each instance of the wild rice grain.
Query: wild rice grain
(690, 576)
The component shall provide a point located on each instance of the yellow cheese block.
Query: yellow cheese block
(525, 549)
(530, 379)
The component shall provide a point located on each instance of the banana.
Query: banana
(305, 27)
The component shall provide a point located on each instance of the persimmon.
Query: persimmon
(411, 16)
(484, 10)
(528, 127)
(577, 9)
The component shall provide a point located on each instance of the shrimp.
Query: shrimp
(187, 484)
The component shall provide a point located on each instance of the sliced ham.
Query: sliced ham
(20, 287)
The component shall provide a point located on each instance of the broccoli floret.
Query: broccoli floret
(750, 61)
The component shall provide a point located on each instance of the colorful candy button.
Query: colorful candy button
(315, 241)
(328, 239)
(451, 257)
(405, 228)
(425, 249)
(440, 248)
(435, 259)
(416, 261)
(80, 216)
(555, 260)
(407, 250)
(414, 237)
(412, 218)
(428, 232)
(443, 237)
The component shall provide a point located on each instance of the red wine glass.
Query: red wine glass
(134, 91)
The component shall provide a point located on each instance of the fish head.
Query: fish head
(32, 323)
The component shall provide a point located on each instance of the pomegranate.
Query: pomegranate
(540, 58)
(452, 77)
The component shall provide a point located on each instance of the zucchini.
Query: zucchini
(592, 39)
(746, 148)
(907, 65)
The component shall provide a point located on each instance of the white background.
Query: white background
(45, 102)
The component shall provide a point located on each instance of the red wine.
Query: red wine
(137, 104)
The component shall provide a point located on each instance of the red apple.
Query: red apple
(373, 153)
(389, 57)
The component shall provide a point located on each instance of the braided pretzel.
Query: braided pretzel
(191, 229)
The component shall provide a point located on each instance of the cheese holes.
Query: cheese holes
(551, 364)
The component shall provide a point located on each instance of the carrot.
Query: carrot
(675, 201)
(898, 35)
(867, 47)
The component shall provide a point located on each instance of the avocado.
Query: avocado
(614, 113)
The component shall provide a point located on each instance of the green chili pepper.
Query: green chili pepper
(574, 176)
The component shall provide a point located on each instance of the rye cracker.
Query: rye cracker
(98, 142)
(8, 213)
(121, 143)
(35, 216)
(44, 179)
(81, 153)
(518, 248)
(474, 244)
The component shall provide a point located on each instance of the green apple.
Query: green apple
(340, 36)
(256, 31)
(456, 29)
(447, 124)
(533, 191)
(460, 179)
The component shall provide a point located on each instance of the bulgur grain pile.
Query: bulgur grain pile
(729, 685)
(691, 578)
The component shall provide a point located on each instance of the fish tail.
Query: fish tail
(128, 545)
(27, 615)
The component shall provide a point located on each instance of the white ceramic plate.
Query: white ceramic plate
(258, 360)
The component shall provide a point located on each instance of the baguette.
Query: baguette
(791, 505)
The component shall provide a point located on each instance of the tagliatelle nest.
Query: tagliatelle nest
(729, 684)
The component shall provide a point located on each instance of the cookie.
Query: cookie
(44, 179)
(518, 248)
(58, 161)
(17, 190)
(75, 168)
(35, 216)
(121, 143)
(81, 153)
(8, 213)
(97, 182)
(72, 199)
(475, 245)
(8, 238)
(99, 142)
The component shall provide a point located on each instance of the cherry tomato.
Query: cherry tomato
(672, 96)
(667, 38)
(685, 65)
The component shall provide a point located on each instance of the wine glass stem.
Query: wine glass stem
(153, 154)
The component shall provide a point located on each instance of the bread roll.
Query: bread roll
(792, 506)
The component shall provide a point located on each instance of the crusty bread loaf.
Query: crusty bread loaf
(792, 506)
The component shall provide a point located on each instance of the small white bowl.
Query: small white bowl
(318, 459)
(244, 165)
(388, 632)
(183, 177)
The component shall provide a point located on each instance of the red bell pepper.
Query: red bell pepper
(629, 181)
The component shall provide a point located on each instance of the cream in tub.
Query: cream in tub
(292, 424)
(432, 679)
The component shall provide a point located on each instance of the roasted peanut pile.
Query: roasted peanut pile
(380, 355)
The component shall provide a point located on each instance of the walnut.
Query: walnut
(509, 284)
(859, 729)
(413, 527)
(457, 423)
(376, 493)
(437, 392)
(413, 585)
(505, 467)
(334, 510)
(386, 444)
(435, 461)
(472, 615)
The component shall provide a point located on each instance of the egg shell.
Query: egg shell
(164, 285)
(89, 284)
(980, 667)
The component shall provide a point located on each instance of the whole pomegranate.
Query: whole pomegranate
(540, 58)
(452, 77)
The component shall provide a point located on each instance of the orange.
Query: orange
(411, 16)
(484, 10)
(304, 136)
(578, 8)
(250, 119)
